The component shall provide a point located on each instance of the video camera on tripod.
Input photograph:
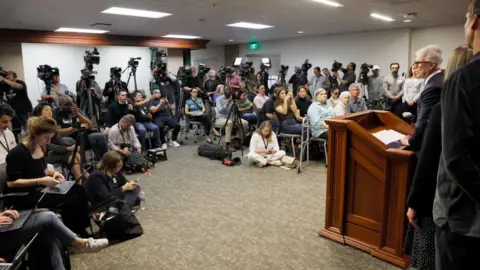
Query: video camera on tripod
(306, 66)
(184, 73)
(246, 69)
(133, 62)
(46, 73)
(364, 70)
(90, 58)
(115, 72)
(202, 70)
(160, 64)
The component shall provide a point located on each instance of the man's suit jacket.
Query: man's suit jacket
(429, 97)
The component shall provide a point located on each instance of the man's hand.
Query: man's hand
(230, 100)
(162, 101)
(404, 140)
(323, 126)
(2, 79)
(2, 260)
(71, 130)
(48, 181)
(149, 115)
(5, 220)
(126, 152)
(411, 214)
(139, 150)
(105, 131)
(344, 82)
(410, 102)
(10, 213)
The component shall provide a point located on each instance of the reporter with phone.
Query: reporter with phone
(108, 181)
(264, 148)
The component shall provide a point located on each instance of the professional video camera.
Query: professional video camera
(161, 61)
(246, 69)
(46, 73)
(202, 69)
(364, 70)
(133, 63)
(222, 74)
(336, 66)
(91, 58)
(184, 73)
(3, 73)
(306, 66)
(283, 71)
(115, 72)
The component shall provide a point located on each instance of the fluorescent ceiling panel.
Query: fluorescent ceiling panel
(328, 2)
(78, 30)
(250, 25)
(181, 36)
(136, 12)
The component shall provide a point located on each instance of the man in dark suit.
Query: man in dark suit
(427, 66)
(456, 208)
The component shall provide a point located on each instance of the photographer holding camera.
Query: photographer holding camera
(393, 85)
(17, 97)
(349, 76)
(165, 82)
(57, 89)
(115, 84)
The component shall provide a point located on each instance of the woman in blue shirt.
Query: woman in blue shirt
(318, 112)
(195, 110)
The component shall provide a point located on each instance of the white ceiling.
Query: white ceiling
(288, 16)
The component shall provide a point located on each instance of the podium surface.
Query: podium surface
(367, 185)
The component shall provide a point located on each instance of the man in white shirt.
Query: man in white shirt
(317, 81)
(260, 98)
(7, 139)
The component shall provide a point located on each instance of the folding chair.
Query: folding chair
(305, 145)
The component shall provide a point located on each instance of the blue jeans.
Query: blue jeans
(51, 229)
(170, 122)
(290, 126)
(142, 129)
(250, 117)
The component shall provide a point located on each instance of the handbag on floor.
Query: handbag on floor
(289, 162)
(214, 152)
(119, 223)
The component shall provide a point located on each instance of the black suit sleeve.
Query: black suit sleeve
(106, 93)
(430, 97)
(458, 127)
(422, 190)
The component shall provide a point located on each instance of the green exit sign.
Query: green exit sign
(254, 46)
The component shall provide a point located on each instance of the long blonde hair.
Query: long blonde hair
(263, 125)
(109, 161)
(459, 57)
(38, 126)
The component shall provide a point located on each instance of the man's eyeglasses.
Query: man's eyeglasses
(156, 92)
(416, 63)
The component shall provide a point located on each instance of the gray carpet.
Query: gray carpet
(203, 215)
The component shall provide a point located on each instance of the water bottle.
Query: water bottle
(142, 200)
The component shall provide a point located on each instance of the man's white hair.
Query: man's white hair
(354, 85)
(431, 53)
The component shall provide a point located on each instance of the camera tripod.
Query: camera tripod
(79, 142)
(86, 85)
(237, 121)
(133, 73)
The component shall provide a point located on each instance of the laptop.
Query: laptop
(62, 188)
(17, 261)
(20, 221)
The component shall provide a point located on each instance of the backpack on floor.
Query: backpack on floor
(136, 162)
(214, 152)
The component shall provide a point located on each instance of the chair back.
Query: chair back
(3, 178)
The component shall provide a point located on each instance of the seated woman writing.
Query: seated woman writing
(195, 109)
(57, 152)
(264, 148)
(287, 112)
(28, 172)
(108, 181)
(318, 113)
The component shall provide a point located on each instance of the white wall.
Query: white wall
(376, 48)
(69, 59)
(213, 56)
(11, 58)
(447, 37)
(175, 60)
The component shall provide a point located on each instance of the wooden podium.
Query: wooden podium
(367, 185)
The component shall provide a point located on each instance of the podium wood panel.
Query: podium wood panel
(367, 185)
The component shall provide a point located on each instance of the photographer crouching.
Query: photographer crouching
(67, 116)
(17, 97)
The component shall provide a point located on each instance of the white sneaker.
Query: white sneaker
(164, 146)
(174, 144)
(92, 245)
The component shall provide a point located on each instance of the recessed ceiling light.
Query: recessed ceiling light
(382, 17)
(407, 21)
(300, 32)
(135, 12)
(78, 30)
(230, 40)
(249, 25)
(328, 2)
(181, 36)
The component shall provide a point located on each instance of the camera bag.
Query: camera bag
(214, 152)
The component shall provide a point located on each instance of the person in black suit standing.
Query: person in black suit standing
(420, 240)
(427, 66)
(456, 208)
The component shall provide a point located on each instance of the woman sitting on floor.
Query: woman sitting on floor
(318, 113)
(57, 152)
(108, 181)
(27, 171)
(195, 109)
(342, 107)
(287, 112)
(264, 148)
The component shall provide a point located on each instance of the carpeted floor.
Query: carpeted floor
(203, 215)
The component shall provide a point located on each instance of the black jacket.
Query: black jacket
(422, 190)
(115, 112)
(430, 97)
(100, 187)
(111, 94)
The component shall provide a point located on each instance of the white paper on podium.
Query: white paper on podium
(388, 136)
